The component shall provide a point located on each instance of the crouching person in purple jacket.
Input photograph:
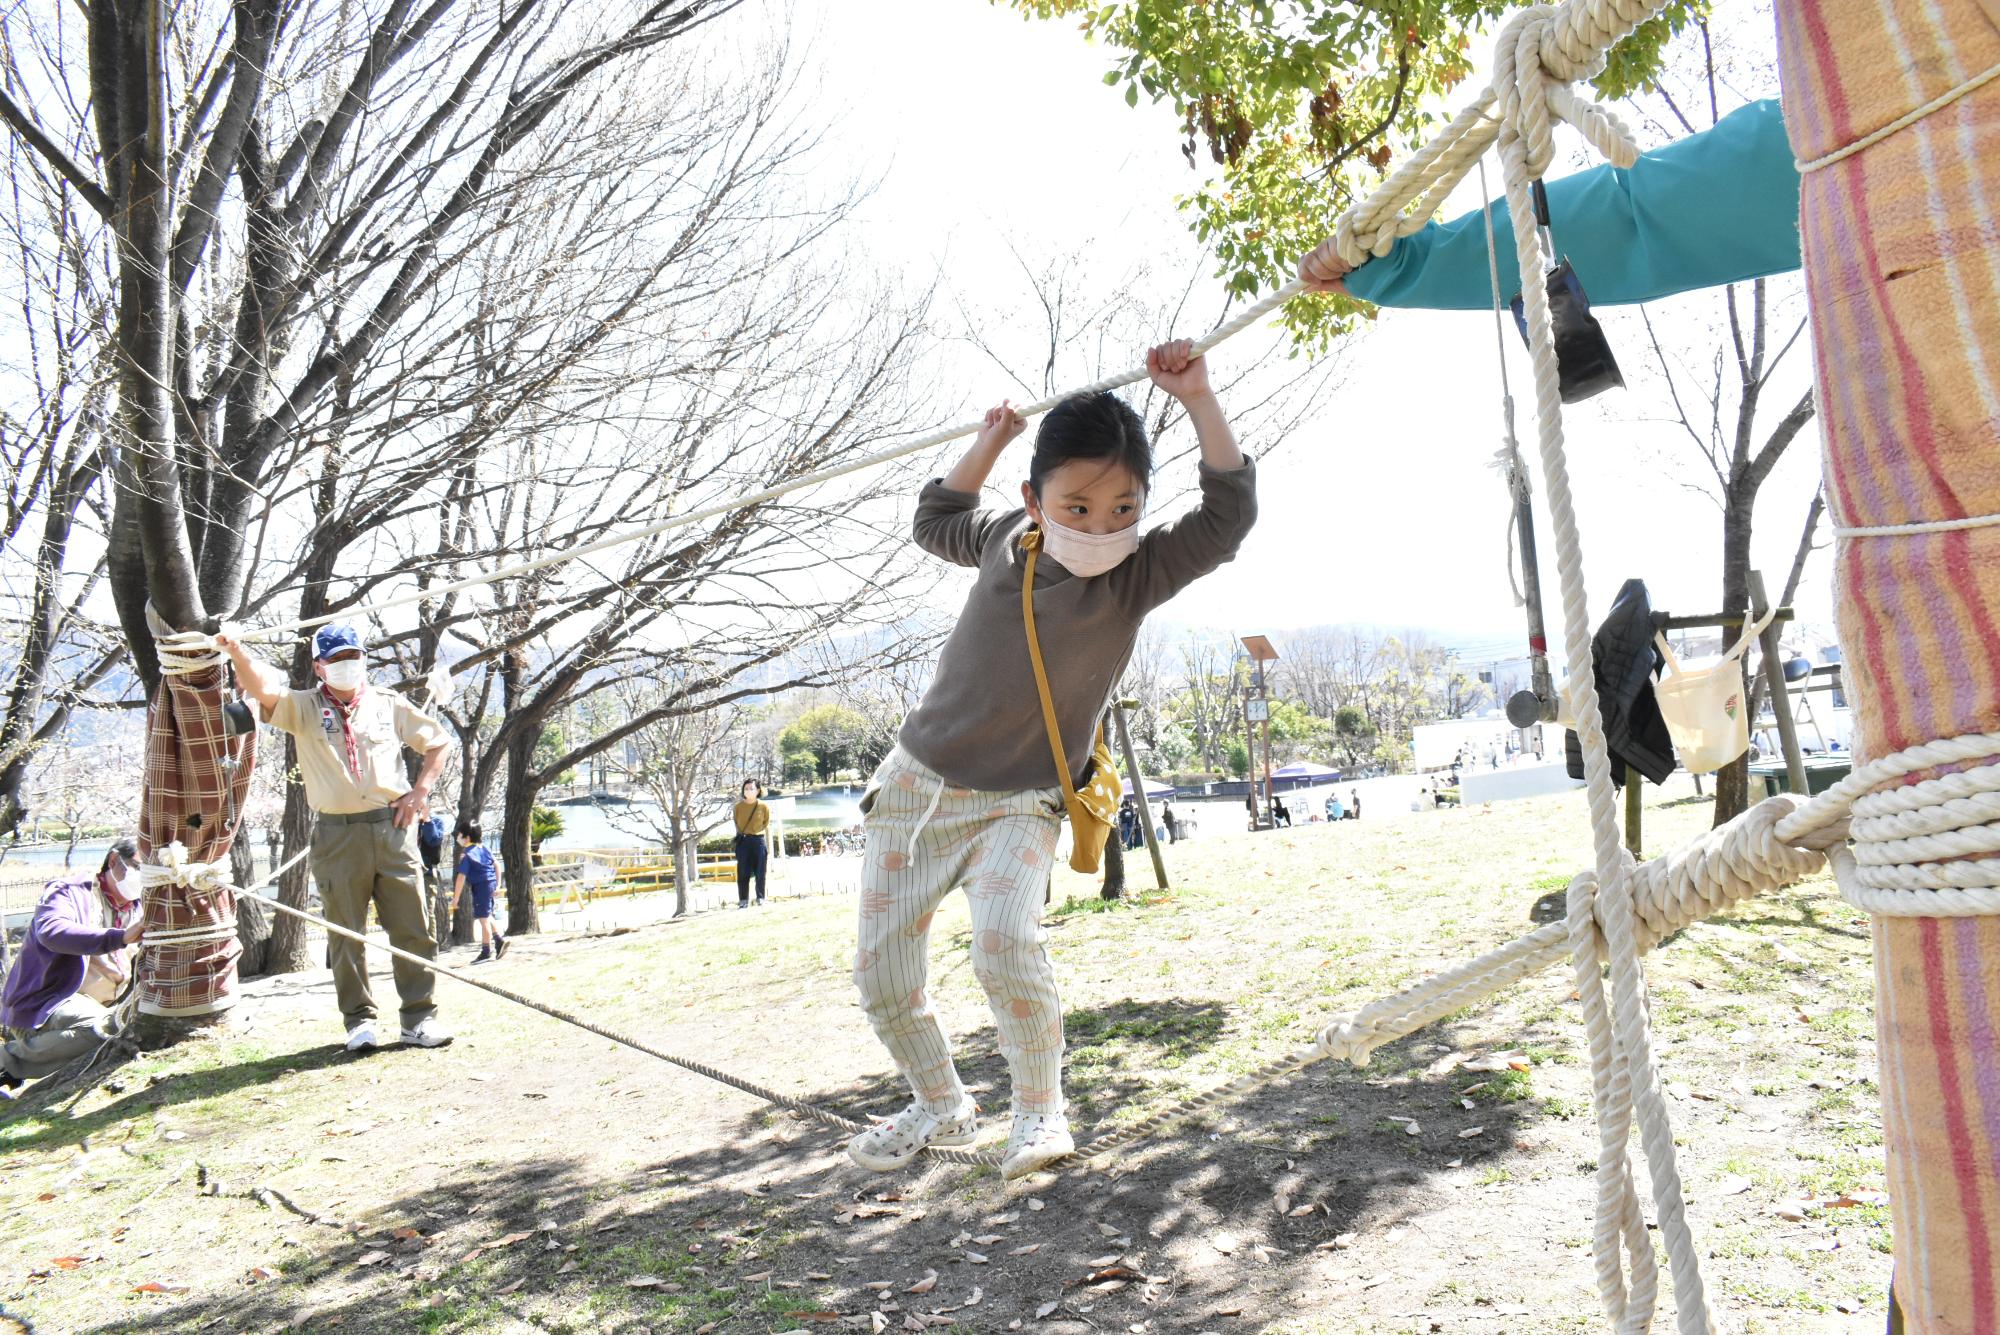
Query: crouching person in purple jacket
(72, 965)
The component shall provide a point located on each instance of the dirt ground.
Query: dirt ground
(535, 1178)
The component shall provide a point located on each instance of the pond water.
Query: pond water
(633, 825)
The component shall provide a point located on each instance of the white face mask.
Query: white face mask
(1087, 554)
(128, 885)
(349, 674)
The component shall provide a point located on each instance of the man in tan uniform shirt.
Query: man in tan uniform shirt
(364, 848)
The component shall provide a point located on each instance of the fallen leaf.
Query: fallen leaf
(975, 1258)
(1471, 1131)
(757, 1278)
(1732, 1186)
(1037, 1203)
(818, 1274)
(989, 1239)
(1224, 1243)
(1413, 1130)
(1456, 1163)
(258, 1272)
(514, 1287)
(1499, 1061)
(1113, 1259)
(1109, 1230)
(67, 1262)
(645, 1282)
(1860, 1198)
(812, 1314)
(373, 1258)
(879, 1285)
(1793, 1210)
(510, 1240)
(568, 1268)
(1338, 1243)
(1047, 1310)
(1028, 1250)
(1007, 1218)
(154, 1286)
(406, 1234)
(977, 1294)
(924, 1285)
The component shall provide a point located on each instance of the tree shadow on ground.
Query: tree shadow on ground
(137, 1095)
(767, 1217)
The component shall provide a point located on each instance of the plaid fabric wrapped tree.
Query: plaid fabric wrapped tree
(197, 776)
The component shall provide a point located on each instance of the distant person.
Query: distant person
(430, 851)
(1128, 825)
(478, 875)
(1280, 813)
(1354, 804)
(351, 737)
(1171, 821)
(753, 821)
(74, 961)
(964, 799)
(1334, 809)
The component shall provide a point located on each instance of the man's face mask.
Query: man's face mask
(347, 674)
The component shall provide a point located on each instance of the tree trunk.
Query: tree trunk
(1732, 781)
(253, 929)
(517, 856)
(288, 951)
(1114, 868)
(679, 842)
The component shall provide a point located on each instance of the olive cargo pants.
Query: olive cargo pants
(362, 858)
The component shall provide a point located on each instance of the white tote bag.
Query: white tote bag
(1705, 708)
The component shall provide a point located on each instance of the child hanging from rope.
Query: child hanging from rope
(969, 796)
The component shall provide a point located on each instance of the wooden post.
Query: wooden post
(1781, 698)
(1634, 794)
(1139, 793)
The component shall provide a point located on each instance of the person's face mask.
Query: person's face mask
(128, 884)
(348, 674)
(1088, 554)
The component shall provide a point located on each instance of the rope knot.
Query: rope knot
(174, 867)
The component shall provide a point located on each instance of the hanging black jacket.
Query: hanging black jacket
(1624, 660)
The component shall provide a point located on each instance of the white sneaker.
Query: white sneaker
(1037, 1140)
(428, 1034)
(894, 1141)
(361, 1037)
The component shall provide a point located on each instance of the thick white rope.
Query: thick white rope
(1243, 320)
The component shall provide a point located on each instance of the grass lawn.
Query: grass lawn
(535, 1178)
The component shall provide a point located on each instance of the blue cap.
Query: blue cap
(334, 639)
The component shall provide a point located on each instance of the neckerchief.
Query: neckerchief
(345, 712)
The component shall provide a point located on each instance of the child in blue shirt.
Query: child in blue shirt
(477, 873)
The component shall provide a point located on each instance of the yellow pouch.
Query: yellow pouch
(1094, 809)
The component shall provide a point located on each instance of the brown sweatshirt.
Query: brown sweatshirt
(980, 722)
(752, 817)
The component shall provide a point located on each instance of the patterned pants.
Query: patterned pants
(926, 837)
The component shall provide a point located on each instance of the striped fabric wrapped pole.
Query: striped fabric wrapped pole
(1901, 244)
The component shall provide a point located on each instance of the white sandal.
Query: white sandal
(1037, 1140)
(894, 1141)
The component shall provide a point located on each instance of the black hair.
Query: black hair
(1091, 426)
(758, 782)
(127, 848)
(468, 828)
